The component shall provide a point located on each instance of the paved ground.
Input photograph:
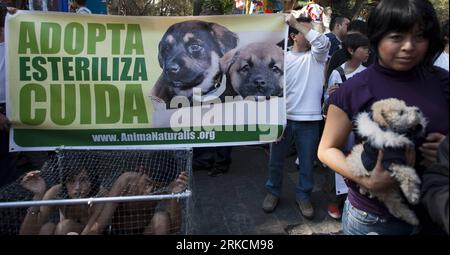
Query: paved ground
(231, 204)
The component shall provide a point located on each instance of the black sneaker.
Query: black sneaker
(306, 209)
(196, 167)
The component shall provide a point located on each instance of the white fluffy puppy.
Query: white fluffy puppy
(392, 126)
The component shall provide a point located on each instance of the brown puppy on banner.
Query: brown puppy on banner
(256, 69)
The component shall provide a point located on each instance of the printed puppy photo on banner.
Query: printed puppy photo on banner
(115, 82)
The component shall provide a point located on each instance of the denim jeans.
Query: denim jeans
(305, 135)
(358, 222)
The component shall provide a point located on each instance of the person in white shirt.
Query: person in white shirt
(356, 47)
(357, 52)
(79, 6)
(41, 5)
(305, 65)
(442, 60)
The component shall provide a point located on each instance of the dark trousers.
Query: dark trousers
(218, 157)
(7, 160)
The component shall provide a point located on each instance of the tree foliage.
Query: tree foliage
(355, 8)
(441, 7)
(352, 9)
(150, 7)
(216, 7)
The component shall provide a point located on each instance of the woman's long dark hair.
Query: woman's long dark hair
(401, 16)
(73, 165)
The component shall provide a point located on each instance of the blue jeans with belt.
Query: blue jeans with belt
(305, 135)
(359, 222)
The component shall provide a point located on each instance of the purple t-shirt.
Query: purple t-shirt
(424, 89)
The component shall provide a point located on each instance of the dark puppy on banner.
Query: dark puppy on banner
(189, 54)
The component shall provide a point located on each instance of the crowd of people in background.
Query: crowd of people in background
(398, 53)
(333, 72)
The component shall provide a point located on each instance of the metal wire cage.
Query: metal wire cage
(102, 192)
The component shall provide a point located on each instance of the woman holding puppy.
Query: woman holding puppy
(405, 36)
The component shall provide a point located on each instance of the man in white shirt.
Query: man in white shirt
(305, 65)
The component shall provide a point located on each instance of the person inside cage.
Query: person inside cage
(157, 217)
(77, 181)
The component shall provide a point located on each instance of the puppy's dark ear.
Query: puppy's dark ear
(227, 60)
(226, 39)
(160, 58)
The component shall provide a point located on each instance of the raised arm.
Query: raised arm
(37, 216)
(320, 44)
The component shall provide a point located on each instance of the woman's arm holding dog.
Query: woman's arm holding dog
(337, 128)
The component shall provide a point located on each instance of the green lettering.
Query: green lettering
(107, 108)
(54, 66)
(96, 33)
(82, 69)
(27, 38)
(126, 69)
(115, 30)
(74, 38)
(68, 68)
(41, 72)
(95, 69)
(85, 104)
(50, 34)
(140, 72)
(62, 115)
(115, 71)
(133, 41)
(104, 70)
(134, 105)
(25, 110)
(24, 68)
